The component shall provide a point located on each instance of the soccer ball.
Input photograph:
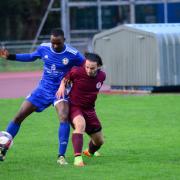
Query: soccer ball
(6, 140)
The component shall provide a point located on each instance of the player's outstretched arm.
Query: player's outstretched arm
(4, 53)
(27, 57)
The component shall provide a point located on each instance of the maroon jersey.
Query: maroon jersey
(85, 88)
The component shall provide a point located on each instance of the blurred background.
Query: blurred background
(26, 24)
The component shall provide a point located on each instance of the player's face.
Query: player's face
(57, 43)
(91, 68)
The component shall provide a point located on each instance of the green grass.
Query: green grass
(6, 65)
(141, 142)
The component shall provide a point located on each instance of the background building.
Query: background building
(31, 21)
(140, 55)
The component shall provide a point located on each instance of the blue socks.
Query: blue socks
(63, 134)
(13, 128)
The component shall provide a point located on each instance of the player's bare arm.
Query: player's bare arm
(61, 91)
(62, 88)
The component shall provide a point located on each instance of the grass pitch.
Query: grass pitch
(142, 141)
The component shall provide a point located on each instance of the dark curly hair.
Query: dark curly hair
(57, 32)
(94, 58)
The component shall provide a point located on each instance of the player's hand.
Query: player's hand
(61, 91)
(67, 82)
(4, 53)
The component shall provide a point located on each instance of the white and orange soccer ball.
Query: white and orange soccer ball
(6, 140)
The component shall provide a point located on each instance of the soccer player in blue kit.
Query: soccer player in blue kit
(58, 59)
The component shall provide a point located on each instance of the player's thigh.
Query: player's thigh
(62, 109)
(25, 110)
(79, 124)
(97, 138)
(93, 124)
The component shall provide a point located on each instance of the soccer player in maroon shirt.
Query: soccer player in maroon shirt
(87, 81)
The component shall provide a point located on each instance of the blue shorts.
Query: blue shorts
(43, 99)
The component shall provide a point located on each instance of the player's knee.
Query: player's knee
(80, 127)
(63, 117)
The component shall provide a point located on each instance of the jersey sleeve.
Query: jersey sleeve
(29, 57)
(104, 76)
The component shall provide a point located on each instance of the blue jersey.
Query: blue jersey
(56, 65)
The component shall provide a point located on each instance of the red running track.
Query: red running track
(20, 84)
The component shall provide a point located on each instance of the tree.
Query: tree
(20, 19)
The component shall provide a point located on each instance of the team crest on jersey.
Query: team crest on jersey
(65, 61)
(98, 85)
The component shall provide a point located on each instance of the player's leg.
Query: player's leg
(97, 140)
(62, 108)
(13, 127)
(77, 139)
(25, 110)
(94, 130)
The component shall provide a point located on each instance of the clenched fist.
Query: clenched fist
(4, 53)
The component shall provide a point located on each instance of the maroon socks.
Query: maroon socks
(93, 148)
(77, 141)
